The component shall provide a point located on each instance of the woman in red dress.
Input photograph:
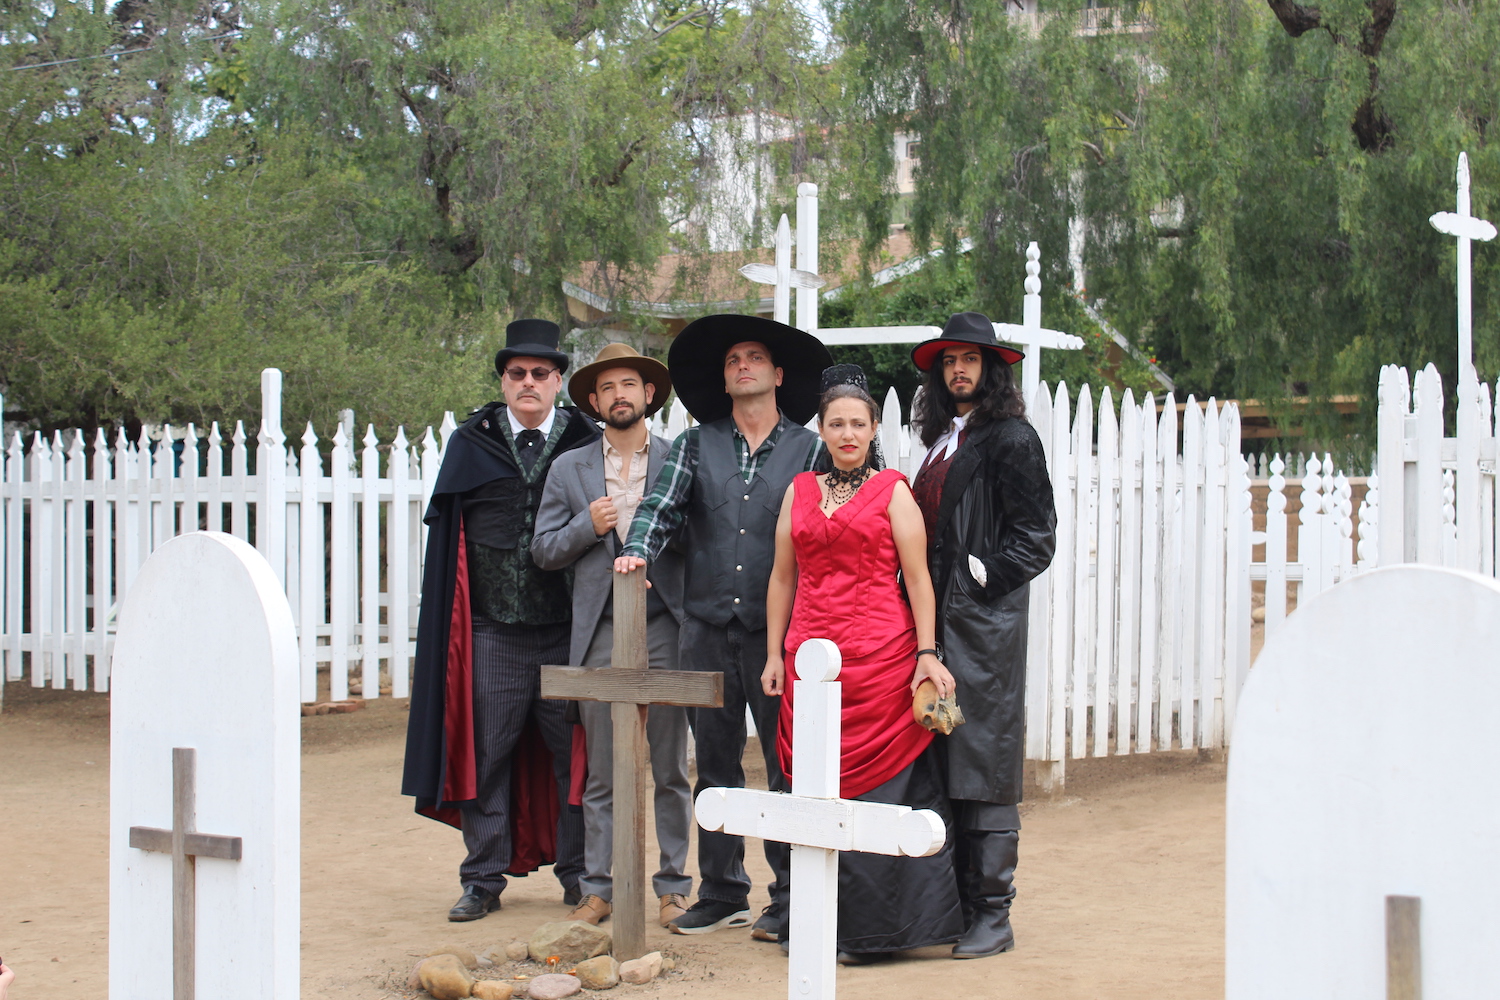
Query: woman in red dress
(841, 540)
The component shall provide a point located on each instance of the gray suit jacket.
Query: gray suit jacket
(565, 537)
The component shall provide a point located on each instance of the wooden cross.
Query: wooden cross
(1467, 228)
(817, 823)
(785, 277)
(632, 688)
(186, 845)
(1029, 335)
(1403, 948)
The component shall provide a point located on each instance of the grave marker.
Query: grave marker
(1360, 781)
(631, 688)
(817, 823)
(205, 678)
(1466, 228)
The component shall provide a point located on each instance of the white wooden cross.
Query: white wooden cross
(186, 845)
(817, 823)
(1466, 227)
(1029, 334)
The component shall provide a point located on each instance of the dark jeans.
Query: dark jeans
(719, 734)
(507, 691)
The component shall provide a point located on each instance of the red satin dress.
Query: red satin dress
(847, 591)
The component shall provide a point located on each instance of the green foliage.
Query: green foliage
(1255, 201)
(360, 193)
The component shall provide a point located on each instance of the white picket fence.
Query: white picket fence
(1139, 630)
(1437, 499)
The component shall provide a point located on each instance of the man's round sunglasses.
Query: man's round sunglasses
(539, 374)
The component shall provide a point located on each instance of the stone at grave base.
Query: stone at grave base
(553, 986)
(601, 973)
(414, 978)
(641, 970)
(668, 963)
(517, 951)
(459, 952)
(571, 941)
(493, 989)
(445, 977)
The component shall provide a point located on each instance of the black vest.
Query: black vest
(731, 525)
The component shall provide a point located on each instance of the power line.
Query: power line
(111, 55)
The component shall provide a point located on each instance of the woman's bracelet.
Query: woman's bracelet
(935, 652)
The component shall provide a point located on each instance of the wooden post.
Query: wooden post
(184, 873)
(631, 688)
(1403, 948)
(632, 759)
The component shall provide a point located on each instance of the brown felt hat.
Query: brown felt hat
(619, 356)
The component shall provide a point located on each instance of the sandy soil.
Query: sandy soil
(1120, 886)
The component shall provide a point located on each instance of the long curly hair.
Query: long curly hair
(997, 398)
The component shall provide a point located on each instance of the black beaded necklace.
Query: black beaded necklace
(843, 484)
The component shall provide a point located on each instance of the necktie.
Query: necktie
(529, 444)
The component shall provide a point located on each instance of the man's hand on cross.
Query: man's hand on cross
(629, 564)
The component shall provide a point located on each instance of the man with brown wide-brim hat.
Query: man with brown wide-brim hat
(752, 383)
(986, 500)
(586, 508)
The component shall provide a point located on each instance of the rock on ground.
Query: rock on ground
(601, 973)
(571, 941)
(459, 952)
(493, 989)
(445, 977)
(517, 951)
(641, 970)
(553, 986)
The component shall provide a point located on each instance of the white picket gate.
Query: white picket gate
(1437, 495)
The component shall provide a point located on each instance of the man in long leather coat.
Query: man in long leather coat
(987, 500)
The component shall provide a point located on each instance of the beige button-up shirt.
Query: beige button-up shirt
(626, 487)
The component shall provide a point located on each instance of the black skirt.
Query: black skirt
(896, 903)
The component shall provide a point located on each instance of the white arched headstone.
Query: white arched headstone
(206, 662)
(1359, 772)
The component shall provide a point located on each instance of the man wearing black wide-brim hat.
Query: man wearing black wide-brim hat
(987, 502)
(479, 733)
(751, 383)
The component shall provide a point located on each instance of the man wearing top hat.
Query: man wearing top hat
(987, 502)
(586, 508)
(484, 751)
(751, 383)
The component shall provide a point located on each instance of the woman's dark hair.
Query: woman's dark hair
(848, 390)
(997, 393)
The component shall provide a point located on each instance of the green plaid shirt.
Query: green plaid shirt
(664, 508)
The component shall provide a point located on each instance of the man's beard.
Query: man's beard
(623, 419)
(964, 393)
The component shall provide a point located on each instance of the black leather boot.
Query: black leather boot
(992, 867)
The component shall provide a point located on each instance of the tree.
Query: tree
(1254, 178)
(360, 193)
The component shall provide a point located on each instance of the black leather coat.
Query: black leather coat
(997, 506)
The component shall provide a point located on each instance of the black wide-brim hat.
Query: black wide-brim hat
(532, 338)
(968, 329)
(696, 361)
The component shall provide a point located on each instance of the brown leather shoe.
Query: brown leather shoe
(591, 910)
(673, 905)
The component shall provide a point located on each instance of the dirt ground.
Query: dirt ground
(1120, 885)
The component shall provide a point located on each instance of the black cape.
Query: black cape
(440, 758)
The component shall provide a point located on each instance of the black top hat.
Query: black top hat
(532, 338)
(969, 329)
(696, 360)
